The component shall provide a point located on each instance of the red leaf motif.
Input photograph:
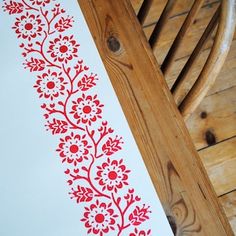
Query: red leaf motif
(64, 24)
(57, 126)
(87, 82)
(82, 194)
(13, 7)
(112, 145)
(35, 64)
(140, 233)
(139, 215)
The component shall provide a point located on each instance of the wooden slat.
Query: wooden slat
(177, 88)
(181, 7)
(214, 119)
(144, 11)
(155, 36)
(229, 203)
(225, 80)
(190, 40)
(220, 163)
(163, 140)
(215, 61)
(171, 55)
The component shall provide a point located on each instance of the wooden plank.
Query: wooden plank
(160, 133)
(214, 119)
(220, 163)
(228, 201)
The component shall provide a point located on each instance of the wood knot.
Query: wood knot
(210, 138)
(113, 44)
(203, 115)
(172, 224)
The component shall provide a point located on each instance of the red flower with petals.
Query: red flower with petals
(112, 175)
(28, 26)
(40, 2)
(86, 109)
(63, 49)
(73, 148)
(99, 218)
(50, 85)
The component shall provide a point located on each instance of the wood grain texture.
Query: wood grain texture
(219, 121)
(220, 163)
(171, 55)
(229, 203)
(215, 60)
(158, 128)
(171, 29)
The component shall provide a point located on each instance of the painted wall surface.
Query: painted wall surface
(69, 163)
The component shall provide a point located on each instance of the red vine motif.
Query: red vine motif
(62, 83)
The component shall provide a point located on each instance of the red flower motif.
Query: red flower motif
(86, 109)
(99, 218)
(139, 215)
(140, 233)
(28, 26)
(112, 175)
(73, 148)
(40, 2)
(63, 49)
(50, 85)
(13, 7)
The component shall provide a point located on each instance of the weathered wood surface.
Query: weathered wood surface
(214, 119)
(163, 140)
(228, 201)
(220, 163)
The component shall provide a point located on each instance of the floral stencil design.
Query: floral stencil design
(87, 109)
(50, 85)
(112, 175)
(88, 147)
(63, 49)
(74, 148)
(99, 218)
(28, 26)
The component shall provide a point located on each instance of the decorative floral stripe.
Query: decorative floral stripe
(88, 147)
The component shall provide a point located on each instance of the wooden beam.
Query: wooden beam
(173, 164)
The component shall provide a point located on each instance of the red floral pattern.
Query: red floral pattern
(112, 175)
(99, 218)
(50, 85)
(63, 48)
(87, 146)
(28, 26)
(140, 233)
(40, 2)
(74, 148)
(87, 109)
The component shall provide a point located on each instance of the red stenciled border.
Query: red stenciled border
(87, 144)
